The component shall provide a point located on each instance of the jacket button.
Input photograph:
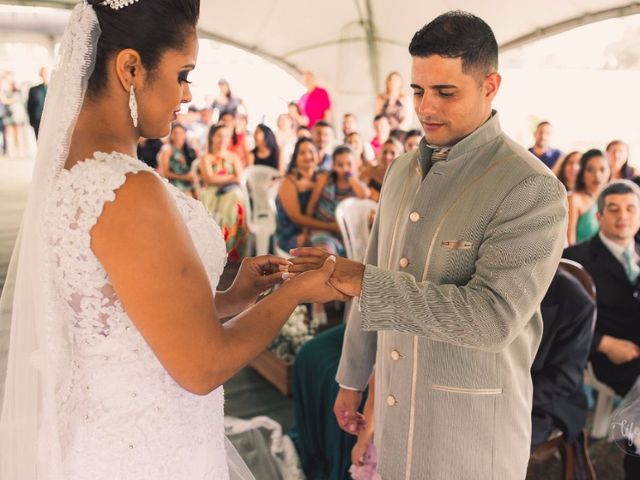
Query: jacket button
(414, 217)
(391, 400)
(404, 262)
(395, 355)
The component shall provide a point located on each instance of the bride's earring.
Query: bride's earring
(133, 106)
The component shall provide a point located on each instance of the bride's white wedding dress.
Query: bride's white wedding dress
(120, 415)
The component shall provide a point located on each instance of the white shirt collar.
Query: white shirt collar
(618, 250)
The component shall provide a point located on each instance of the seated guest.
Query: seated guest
(324, 448)
(266, 152)
(612, 259)
(412, 140)
(330, 189)
(175, 159)
(559, 402)
(373, 175)
(382, 131)
(286, 138)
(349, 125)
(592, 178)
(618, 154)
(542, 147)
(303, 132)
(363, 151)
(220, 170)
(293, 197)
(567, 170)
(323, 138)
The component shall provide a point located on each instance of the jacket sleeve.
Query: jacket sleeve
(359, 347)
(562, 373)
(516, 262)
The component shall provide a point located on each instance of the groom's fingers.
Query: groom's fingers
(308, 252)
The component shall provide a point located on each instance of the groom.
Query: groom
(467, 239)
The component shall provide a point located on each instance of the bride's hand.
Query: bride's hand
(313, 286)
(256, 276)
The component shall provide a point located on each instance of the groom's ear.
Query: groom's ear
(128, 68)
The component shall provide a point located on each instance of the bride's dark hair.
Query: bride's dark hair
(148, 26)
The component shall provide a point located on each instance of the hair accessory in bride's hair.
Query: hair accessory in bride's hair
(118, 4)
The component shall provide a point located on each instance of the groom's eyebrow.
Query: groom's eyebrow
(190, 66)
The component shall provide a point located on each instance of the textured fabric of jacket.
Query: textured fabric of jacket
(457, 265)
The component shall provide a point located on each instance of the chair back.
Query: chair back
(354, 217)
(579, 273)
(259, 185)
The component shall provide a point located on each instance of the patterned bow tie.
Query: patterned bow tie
(439, 154)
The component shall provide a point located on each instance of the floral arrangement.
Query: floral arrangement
(295, 333)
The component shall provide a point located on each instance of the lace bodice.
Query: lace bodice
(120, 414)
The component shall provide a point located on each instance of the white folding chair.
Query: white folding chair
(354, 217)
(259, 185)
(604, 404)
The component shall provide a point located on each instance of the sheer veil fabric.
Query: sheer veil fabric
(39, 355)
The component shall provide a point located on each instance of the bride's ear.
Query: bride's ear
(129, 68)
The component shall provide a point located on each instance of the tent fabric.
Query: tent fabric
(352, 45)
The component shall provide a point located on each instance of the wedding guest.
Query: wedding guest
(286, 137)
(593, 176)
(618, 155)
(329, 190)
(175, 159)
(567, 169)
(392, 102)
(412, 140)
(303, 132)
(293, 223)
(220, 171)
(373, 175)
(323, 137)
(363, 151)
(226, 101)
(35, 100)
(542, 147)
(349, 125)
(315, 104)
(382, 131)
(266, 151)
(11, 96)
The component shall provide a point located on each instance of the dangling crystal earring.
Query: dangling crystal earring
(133, 106)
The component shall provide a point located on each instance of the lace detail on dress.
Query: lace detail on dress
(120, 414)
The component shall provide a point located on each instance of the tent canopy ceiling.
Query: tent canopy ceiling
(352, 45)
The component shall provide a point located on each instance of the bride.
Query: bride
(118, 351)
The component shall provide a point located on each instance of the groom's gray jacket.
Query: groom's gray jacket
(449, 313)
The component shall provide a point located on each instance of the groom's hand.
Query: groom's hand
(346, 411)
(347, 276)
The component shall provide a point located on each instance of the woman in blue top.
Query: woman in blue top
(292, 221)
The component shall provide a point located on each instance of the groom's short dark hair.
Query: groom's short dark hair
(458, 34)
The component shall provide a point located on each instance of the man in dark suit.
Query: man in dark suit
(612, 258)
(35, 101)
(558, 369)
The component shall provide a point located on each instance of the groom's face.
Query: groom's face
(450, 103)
